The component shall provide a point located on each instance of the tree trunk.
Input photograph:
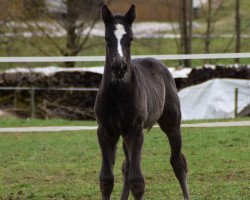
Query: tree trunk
(237, 29)
(71, 37)
(208, 29)
(186, 30)
(181, 47)
(71, 45)
(190, 31)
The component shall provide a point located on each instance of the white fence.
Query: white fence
(101, 59)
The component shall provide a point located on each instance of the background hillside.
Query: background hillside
(32, 30)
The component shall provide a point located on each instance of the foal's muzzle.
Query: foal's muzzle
(119, 69)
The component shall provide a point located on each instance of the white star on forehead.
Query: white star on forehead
(119, 32)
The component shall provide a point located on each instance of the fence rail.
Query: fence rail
(102, 58)
(32, 91)
(50, 88)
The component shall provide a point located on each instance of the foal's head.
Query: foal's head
(118, 36)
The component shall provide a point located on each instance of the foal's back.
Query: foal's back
(150, 67)
(159, 85)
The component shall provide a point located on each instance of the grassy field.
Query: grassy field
(224, 17)
(66, 165)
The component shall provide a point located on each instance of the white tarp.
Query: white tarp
(214, 99)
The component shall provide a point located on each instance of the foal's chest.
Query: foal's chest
(120, 109)
(122, 112)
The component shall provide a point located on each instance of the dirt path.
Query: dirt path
(87, 128)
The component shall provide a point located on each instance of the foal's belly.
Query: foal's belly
(154, 112)
(151, 75)
(126, 117)
(155, 104)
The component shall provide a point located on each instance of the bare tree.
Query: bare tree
(210, 13)
(186, 29)
(190, 29)
(80, 15)
(237, 29)
(74, 18)
(208, 29)
(7, 8)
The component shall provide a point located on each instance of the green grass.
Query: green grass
(66, 165)
(16, 122)
(225, 17)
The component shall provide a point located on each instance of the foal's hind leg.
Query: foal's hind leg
(171, 126)
(134, 141)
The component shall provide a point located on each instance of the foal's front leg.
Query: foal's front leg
(125, 171)
(134, 142)
(108, 149)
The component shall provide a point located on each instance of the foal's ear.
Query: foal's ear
(130, 15)
(106, 14)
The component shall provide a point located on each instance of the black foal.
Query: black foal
(134, 95)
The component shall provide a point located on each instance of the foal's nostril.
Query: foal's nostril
(119, 69)
(116, 68)
(124, 67)
(119, 66)
(113, 68)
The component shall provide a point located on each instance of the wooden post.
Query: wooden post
(32, 102)
(15, 99)
(208, 30)
(236, 91)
